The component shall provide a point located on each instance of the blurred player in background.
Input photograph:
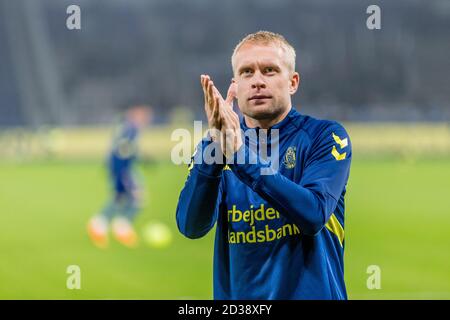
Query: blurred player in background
(127, 189)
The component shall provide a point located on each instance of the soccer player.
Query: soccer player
(127, 189)
(280, 230)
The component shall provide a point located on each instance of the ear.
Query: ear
(231, 94)
(294, 83)
(235, 85)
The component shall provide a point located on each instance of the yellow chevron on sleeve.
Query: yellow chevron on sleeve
(227, 167)
(191, 165)
(335, 227)
(338, 156)
(341, 142)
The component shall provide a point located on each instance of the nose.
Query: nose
(258, 81)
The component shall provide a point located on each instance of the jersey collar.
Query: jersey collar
(280, 125)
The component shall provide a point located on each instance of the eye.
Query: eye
(269, 70)
(247, 71)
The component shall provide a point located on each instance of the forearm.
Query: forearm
(306, 207)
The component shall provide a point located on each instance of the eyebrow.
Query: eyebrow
(267, 63)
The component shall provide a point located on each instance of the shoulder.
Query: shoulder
(316, 127)
(322, 136)
(321, 130)
(128, 131)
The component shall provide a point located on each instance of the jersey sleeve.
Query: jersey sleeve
(328, 165)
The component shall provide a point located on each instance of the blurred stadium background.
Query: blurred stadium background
(61, 90)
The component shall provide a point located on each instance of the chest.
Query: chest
(246, 208)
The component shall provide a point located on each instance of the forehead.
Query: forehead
(259, 53)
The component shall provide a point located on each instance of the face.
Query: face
(140, 116)
(265, 83)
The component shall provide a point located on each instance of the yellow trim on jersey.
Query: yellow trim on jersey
(335, 227)
(337, 155)
(341, 142)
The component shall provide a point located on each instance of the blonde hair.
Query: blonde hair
(267, 37)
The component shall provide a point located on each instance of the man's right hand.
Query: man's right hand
(211, 106)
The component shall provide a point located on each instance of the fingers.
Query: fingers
(210, 93)
(214, 114)
(220, 111)
(229, 118)
(217, 93)
(216, 111)
(204, 81)
(221, 115)
(208, 90)
(227, 109)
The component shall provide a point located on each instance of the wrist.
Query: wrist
(209, 158)
(213, 135)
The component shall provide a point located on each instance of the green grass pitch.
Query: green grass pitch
(397, 217)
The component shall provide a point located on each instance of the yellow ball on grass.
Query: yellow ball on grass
(157, 235)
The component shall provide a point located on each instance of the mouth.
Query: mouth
(259, 97)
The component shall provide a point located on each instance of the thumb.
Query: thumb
(231, 94)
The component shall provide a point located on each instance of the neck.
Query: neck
(265, 123)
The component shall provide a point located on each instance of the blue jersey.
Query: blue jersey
(279, 235)
(122, 156)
